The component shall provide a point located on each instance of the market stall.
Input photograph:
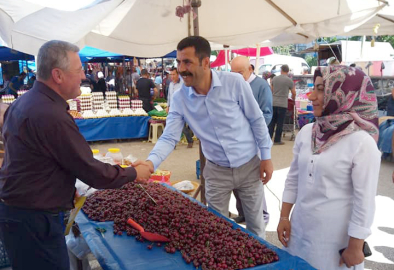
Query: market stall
(111, 128)
(115, 251)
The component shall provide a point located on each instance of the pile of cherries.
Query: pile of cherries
(204, 239)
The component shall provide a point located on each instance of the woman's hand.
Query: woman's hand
(351, 257)
(284, 230)
(353, 254)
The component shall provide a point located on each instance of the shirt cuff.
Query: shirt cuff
(358, 232)
(155, 160)
(289, 197)
(265, 154)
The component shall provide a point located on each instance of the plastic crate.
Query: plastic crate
(198, 169)
(4, 262)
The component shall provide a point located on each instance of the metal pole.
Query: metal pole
(256, 67)
(196, 27)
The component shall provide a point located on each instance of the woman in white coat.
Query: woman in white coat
(334, 174)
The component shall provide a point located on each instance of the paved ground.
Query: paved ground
(182, 162)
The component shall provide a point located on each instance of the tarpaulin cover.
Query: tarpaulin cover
(111, 128)
(7, 54)
(115, 252)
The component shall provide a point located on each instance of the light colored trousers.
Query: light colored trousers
(221, 181)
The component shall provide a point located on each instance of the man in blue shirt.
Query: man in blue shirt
(263, 95)
(16, 83)
(221, 110)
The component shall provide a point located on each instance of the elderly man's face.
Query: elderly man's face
(241, 69)
(70, 87)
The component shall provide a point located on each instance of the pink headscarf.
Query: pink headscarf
(349, 105)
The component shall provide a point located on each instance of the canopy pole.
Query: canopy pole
(226, 57)
(196, 26)
(281, 12)
(196, 31)
(256, 67)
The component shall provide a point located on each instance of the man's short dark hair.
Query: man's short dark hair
(22, 73)
(144, 72)
(285, 68)
(200, 44)
(352, 65)
(174, 68)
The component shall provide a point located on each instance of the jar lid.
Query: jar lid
(95, 151)
(113, 150)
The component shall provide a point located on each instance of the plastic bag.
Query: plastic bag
(77, 245)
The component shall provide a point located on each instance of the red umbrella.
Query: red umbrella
(220, 60)
(252, 51)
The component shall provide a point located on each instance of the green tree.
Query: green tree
(311, 59)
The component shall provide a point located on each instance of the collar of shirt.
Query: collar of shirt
(251, 78)
(215, 83)
(46, 90)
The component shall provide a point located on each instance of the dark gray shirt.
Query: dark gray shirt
(282, 85)
(45, 153)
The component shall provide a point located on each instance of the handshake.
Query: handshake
(144, 170)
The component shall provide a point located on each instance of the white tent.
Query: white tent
(150, 27)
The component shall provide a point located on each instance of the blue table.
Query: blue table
(111, 128)
(115, 252)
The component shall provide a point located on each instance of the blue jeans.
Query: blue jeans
(33, 239)
(278, 118)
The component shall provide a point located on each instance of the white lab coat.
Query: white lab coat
(334, 196)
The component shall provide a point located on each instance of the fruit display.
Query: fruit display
(75, 114)
(136, 104)
(8, 99)
(124, 102)
(203, 238)
(98, 100)
(114, 113)
(21, 92)
(85, 101)
(110, 97)
(88, 114)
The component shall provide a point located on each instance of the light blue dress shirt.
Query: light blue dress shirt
(228, 122)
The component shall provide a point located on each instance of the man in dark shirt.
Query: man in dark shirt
(44, 153)
(144, 85)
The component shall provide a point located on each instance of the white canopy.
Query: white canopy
(148, 28)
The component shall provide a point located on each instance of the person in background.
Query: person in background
(390, 104)
(158, 82)
(260, 88)
(333, 178)
(220, 109)
(281, 85)
(271, 77)
(101, 86)
(92, 80)
(263, 95)
(129, 81)
(6, 82)
(175, 85)
(143, 88)
(44, 154)
(16, 83)
(31, 81)
(305, 70)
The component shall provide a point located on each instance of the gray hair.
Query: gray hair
(53, 54)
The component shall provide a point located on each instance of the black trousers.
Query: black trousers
(188, 134)
(33, 239)
(278, 118)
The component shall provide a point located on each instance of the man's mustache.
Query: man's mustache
(185, 74)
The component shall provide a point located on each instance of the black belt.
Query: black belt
(57, 214)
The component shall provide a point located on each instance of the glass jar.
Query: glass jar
(116, 155)
(96, 154)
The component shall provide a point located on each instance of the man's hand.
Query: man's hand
(266, 170)
(284, 230)
(144, 170)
